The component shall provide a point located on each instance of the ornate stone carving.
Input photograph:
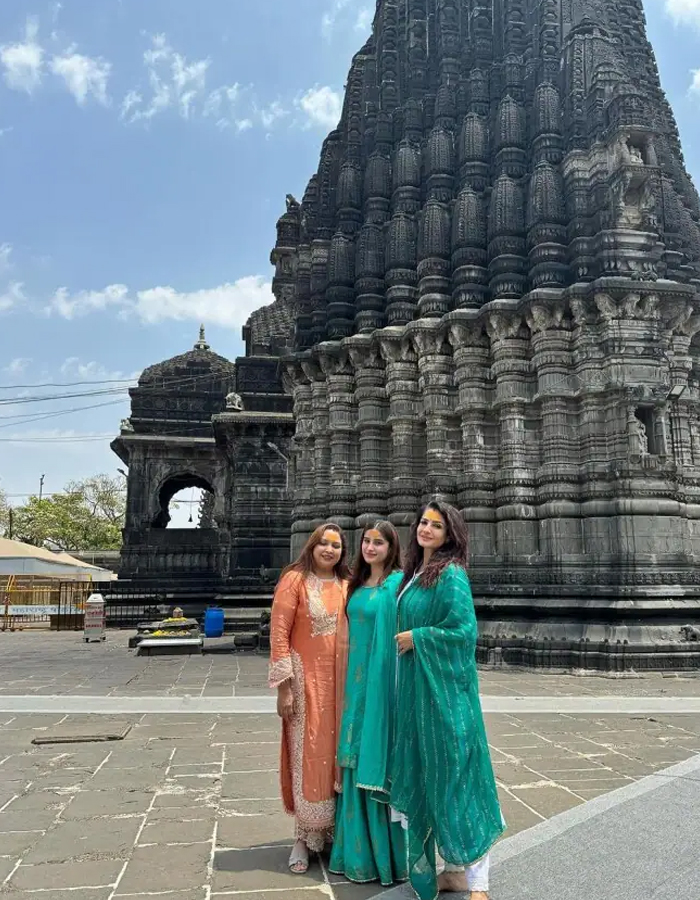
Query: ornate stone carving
(496, 261)
(234, 402)
(639, 441)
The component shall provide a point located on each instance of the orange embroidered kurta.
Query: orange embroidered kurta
(303, 650)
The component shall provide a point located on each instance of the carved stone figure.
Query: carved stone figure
(234, 402)
(690, 633)
(639, 442)
(635, 155)
(695, 442)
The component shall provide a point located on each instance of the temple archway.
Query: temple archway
(192, 492)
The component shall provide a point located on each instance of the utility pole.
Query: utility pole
(41, 486)
(10, 523)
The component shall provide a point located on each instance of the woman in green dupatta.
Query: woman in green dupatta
(367, 845)
(442, 778)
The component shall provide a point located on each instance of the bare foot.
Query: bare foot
(479, 895)
(453, 882)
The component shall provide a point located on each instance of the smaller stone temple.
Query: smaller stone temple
(199, 420)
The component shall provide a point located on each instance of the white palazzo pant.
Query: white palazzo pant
(477, 874)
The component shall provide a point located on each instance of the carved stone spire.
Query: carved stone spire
(201, 344)
(495, 272)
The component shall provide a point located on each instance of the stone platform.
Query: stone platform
(186, 807)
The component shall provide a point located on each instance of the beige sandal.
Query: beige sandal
(299, 859)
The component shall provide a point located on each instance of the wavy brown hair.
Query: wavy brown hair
(304, 563)
(454, 550)
(361, 569)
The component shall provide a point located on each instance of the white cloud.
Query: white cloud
(73, 367)
(330, 17)
(23, 65)
(83, 75)
(71, 306)
(364, 19)
(5, 253)
(17, 366)
(270, 114)
(222, 106)
(229, 304)
(339, 13)
(322, 106)
(12, 296)
(4, 131)
(23, 62)
(683, 12)
(174, 81)
(695, 83)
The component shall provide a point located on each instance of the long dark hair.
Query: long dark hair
(361, 569)
(304, 563)
(454, 550)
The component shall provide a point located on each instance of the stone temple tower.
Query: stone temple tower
(496, 282)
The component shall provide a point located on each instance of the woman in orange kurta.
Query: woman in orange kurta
(309, 596)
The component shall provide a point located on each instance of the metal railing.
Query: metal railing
(25, 604)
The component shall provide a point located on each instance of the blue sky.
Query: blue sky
(146, 147)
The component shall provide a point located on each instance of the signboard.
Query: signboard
(40, 610)
(94, 618)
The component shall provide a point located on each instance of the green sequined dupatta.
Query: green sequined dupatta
(366, 736)
(442, 777)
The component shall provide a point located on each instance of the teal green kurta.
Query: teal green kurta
(367, 846)
(442, 777)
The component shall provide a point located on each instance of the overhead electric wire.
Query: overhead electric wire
(167, 387)
(18, 401)
(26, 420)
(172, 385)
(55, 384)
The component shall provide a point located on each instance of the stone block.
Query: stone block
(161, 869)
(65, 875)
(85, 839)
(248, 870)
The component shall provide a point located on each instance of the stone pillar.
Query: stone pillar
(557, 476)
(407, 465)
(515, 480)
(681, 329)
(435, 365)
(334, 361)
(302, 460)
(321, 445)
(373, 434)
(475, 483)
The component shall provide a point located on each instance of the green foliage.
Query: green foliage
(4, 515)
(88, 515)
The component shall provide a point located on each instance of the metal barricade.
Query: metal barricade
(26, 604)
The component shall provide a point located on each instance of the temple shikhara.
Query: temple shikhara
(489, 292)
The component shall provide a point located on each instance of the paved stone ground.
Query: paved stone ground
(38, 663)
(186, 806)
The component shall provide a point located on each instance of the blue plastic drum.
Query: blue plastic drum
(213, 623)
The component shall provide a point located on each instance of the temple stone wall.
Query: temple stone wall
(495, 276)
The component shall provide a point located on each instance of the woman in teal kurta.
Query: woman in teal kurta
(442, 778)
(367, 845)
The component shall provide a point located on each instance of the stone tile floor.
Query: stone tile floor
(186, 806)
(39, 663)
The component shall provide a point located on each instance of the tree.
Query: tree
(4, 515)
(89, 515)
